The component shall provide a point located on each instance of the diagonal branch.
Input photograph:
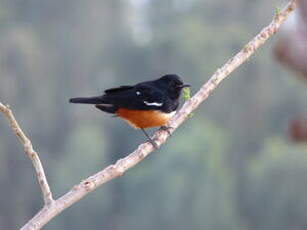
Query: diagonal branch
(42, 180)
(122, 165)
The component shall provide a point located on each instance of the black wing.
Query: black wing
(139, 97)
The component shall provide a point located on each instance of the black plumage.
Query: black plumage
(161, 94)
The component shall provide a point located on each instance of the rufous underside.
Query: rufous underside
(144, 118)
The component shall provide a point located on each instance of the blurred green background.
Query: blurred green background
(231, 166)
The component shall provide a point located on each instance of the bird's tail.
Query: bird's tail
(87, 100)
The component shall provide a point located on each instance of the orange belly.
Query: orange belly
(144, 118)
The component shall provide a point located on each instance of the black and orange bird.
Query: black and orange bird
(144, 105)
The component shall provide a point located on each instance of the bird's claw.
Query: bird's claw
(167, 129)
(154, 144)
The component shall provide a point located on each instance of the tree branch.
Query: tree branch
(122, 165)
(42, 180)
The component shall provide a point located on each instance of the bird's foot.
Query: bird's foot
(154, 144)
(167, 129)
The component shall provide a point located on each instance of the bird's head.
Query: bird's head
(173, 84)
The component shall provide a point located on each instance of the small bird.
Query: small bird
(144, 105)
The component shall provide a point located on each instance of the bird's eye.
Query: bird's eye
(138, 93)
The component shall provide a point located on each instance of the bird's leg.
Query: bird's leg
(167, 129)
(150, 139)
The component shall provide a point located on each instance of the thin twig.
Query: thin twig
(42, 180)
(122, 165)
(220, 74)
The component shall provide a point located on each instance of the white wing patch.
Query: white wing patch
(105, 105)
(153, 103)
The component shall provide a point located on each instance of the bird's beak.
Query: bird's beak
(184, 86)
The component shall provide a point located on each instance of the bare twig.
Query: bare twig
(122, 165)
(30, 152)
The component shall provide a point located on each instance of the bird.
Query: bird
(144, 105)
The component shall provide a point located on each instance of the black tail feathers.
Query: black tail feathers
(86, 100)
(97, 101)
